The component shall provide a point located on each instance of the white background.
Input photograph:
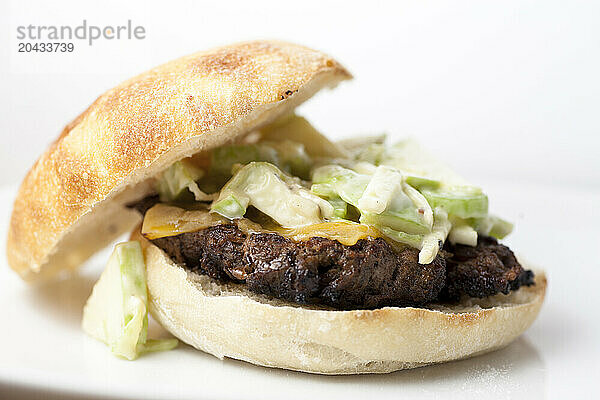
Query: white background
(508, 92)
(504, 89)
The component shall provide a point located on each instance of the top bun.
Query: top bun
(70, 203)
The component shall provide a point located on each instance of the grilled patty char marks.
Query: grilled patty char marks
(485, 270)
(369, 274)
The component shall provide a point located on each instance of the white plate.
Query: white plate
(44, 352)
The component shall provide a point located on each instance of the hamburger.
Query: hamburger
(255, 237)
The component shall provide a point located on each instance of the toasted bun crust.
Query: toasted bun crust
(228, 321)
(105, 157)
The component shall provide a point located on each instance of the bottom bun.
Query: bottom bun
(226, 320)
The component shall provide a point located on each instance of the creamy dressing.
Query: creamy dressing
(309, 186)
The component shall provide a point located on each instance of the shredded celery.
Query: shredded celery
(265, 187)
(180, 176)
(384, 186)
(433, 242)
(117, 311)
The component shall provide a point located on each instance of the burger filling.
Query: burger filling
(353, 224)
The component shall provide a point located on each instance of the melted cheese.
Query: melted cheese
(347, 233)
(164, 220)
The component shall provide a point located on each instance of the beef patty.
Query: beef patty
(484, 270)
(367, 275)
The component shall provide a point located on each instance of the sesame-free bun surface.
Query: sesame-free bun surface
(226, 320)
(71, 202)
